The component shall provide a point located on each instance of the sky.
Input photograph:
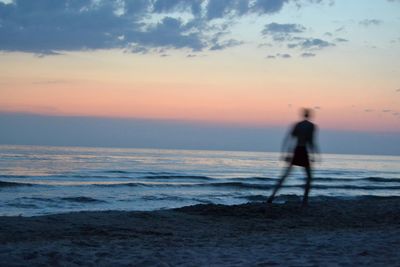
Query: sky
(234, 66)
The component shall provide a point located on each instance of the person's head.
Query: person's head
(306, 113)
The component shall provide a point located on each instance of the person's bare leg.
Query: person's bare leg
(307, 185)
(279, 183)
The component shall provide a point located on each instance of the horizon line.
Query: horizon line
(192, 122)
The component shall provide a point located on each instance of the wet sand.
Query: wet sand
(329, 232)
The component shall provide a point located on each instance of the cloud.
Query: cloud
(341, 40)
(398, 90)
(282, 32)
(308, 55)
(370, 22)
(268, 6)
(226, 44)
(166, 6)
(220, 8)
(311, 44)
(274, 28)
(48, 27)
(286, 33)
(170, 33)
(284, 55)
(340, 29)
(279, 55)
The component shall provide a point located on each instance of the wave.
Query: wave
(144, 173)
(355, 187)
(152, 176)
(12, 184)
(184, 181)
(384, 180)
(162, 198)
(368, 179)
(147, 175)
(191, 177)
(117, 171)
(82, 199)
(254, 198)
(253, 186)
(229, 184)
(15, 176)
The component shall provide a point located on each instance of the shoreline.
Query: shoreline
(332, 232)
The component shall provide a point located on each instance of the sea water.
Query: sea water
(37, 180)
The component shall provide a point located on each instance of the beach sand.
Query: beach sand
(330, 232)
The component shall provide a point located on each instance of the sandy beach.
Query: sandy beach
(329, 232)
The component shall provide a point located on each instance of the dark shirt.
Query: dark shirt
(304, 133)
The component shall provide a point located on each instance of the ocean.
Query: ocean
(38, 180)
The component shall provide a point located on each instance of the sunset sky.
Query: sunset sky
(240, 63)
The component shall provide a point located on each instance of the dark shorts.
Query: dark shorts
(300, 157)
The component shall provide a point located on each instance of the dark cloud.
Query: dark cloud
(279, 55)
(340, 29)
(308, 55)
(44, 26)
(370, 22)
(341, 40)
(282, 32)
(311, 43)
(170, 33)
(315, 43)
(286, 33)
(49, 27)
(165, 6)
(276, 28)
(284, 55)
(225, 44)
(220, 8)
(268, 6)
(265, 45)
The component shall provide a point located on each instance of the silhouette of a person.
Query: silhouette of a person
(302, 134)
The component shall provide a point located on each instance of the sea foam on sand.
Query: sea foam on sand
(330, 232)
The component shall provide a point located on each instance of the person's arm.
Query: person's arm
(314, 148)
(287, 144)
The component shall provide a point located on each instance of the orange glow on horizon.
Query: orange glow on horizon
(248, 94)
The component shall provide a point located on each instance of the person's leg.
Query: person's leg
(279, 183)
(307, 185)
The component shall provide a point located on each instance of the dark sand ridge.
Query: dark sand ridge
(329, 232)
